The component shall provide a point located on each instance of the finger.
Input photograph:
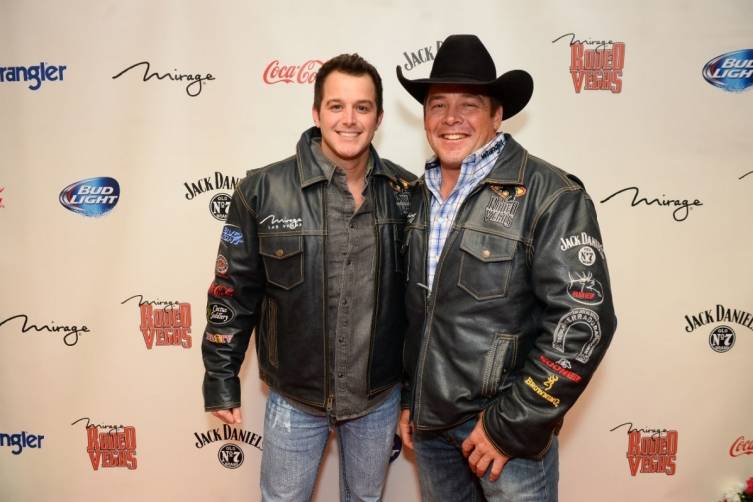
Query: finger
(223, 415)
(473, 459)
(406, 434)
(405, 428)
(237, 418)
(496, 469)
(483, 465)
(405, 415)
(467, 447)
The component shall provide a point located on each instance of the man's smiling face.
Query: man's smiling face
(458, 121)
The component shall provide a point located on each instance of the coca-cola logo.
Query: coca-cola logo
(275, 73)
(220, 290)
(741, 447)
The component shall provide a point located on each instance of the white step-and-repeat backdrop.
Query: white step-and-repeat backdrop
(158, 107)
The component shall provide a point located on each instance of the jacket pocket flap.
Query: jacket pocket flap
(280, 247)
(488, 247)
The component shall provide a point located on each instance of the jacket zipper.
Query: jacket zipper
(327, 356)
(377, 275)
(429, 302)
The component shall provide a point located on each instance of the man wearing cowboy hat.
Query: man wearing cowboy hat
(508, 295)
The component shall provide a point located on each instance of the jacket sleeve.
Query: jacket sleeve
(233, 305)
(574, 324)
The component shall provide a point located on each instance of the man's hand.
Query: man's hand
(405, 428)
(231, 416)
(481, 453)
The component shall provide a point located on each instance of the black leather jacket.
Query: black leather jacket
(271, 276)
(520, 312)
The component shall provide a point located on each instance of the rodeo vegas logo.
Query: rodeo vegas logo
(163, 322)
(219, 204)
(110, 446)
(722, 337)
(650, 451)
(595, 65)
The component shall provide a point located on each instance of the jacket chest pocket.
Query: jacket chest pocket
(283, 259)
(485, 264)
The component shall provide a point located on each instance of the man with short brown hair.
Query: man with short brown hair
(310, 253)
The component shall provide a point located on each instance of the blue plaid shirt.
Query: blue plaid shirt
(475, 168)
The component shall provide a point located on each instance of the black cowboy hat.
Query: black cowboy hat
(463, 59)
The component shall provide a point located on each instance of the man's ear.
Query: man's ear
(315, 115)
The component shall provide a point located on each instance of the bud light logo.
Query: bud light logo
(732, 71)
(91, 197)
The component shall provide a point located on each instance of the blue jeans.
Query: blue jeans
(445, 476)
(294, 442)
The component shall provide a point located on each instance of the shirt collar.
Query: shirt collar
(328, 167)
(475, 165)
(492, 148)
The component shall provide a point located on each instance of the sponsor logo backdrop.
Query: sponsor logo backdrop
(127, 125)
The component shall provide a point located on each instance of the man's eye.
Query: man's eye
(335, 108)
(363, 108)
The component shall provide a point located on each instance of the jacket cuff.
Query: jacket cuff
(221, 394)
(517, 440)
(405, 397)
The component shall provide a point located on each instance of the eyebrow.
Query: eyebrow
(359, 102)
(443, 95)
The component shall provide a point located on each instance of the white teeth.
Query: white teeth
(453, 136)
(349, 134)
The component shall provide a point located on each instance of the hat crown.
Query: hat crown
(464, 56)
(463, 60)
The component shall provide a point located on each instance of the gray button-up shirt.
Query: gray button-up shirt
(350, 245)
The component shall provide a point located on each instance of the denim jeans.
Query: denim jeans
(444, 474)
(294, 442)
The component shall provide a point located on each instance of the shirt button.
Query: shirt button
(345, 301)
(341, 339)
(279, 253)
(340, 375)
(486, 253)
(348, 262)
(352, 225)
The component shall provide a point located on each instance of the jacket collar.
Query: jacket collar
(510, 166)
(310, 172)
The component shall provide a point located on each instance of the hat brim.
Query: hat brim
(513, 89)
